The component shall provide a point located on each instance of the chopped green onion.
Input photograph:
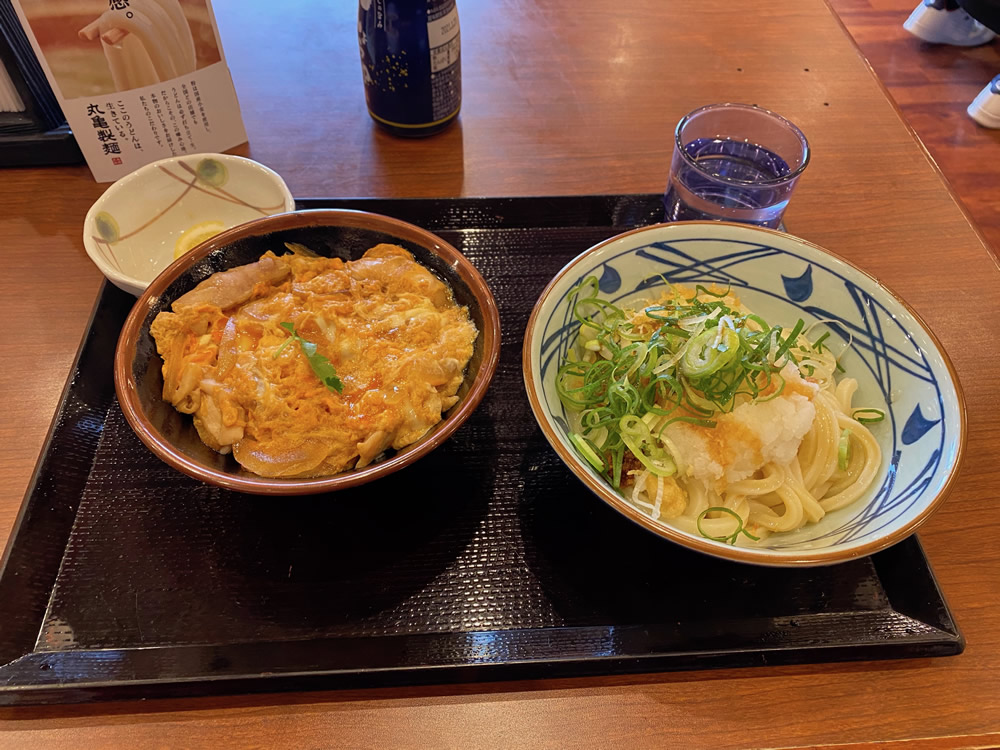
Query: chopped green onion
(868, 416)
(588, 450)
(652, 309)
(818, 345)
(731, 539)
(777, 391)
(790, 340)
(629, 375)
(699, 289)
(710, 351)
(844, 450)
(617, 457)
(637, 438)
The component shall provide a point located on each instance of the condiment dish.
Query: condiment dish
(162, 210)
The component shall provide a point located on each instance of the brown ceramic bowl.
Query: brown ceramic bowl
(333, 233)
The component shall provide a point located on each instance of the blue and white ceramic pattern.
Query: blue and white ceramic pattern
(897, 361)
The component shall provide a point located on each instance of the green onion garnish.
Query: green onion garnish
(844, 450)
(796, 330)
(868, 416)
(710, 351)
(588, 450)
(699, 289)
(683, 359)
(731, 539)
(637, 438)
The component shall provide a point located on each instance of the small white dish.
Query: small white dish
(899, 364)
(133, 231)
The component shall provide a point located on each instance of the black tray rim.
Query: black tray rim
(38, 677)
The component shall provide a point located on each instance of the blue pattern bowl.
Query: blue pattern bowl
(899, 365)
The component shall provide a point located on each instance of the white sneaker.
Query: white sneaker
(946, 26)
(985, 108)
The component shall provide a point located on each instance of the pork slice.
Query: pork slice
(233, 287)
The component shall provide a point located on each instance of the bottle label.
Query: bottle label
(444, 41)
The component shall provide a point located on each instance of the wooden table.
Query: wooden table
(565, 97)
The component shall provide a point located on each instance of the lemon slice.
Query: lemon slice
(195, 235)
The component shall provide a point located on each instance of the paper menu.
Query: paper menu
(138, 80)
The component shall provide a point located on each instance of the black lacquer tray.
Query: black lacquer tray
(485, 560)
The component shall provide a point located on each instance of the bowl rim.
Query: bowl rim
(680, 147)
(127, 391)
(797, 558)
(123, 182)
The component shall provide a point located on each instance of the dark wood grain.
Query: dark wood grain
(933, 84)
(565, 97)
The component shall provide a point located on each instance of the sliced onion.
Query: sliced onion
(227, 348)
(695, 320)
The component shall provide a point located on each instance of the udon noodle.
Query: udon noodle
(704, 415)
(148, 43)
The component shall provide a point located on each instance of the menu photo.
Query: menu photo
(138, 80)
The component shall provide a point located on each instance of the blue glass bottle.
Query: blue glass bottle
(411, 64)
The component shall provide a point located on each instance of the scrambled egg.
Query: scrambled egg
(392, 330)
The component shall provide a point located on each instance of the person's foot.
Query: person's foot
(932, 23)
(985, 108)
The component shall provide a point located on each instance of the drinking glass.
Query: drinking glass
(734, 162)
